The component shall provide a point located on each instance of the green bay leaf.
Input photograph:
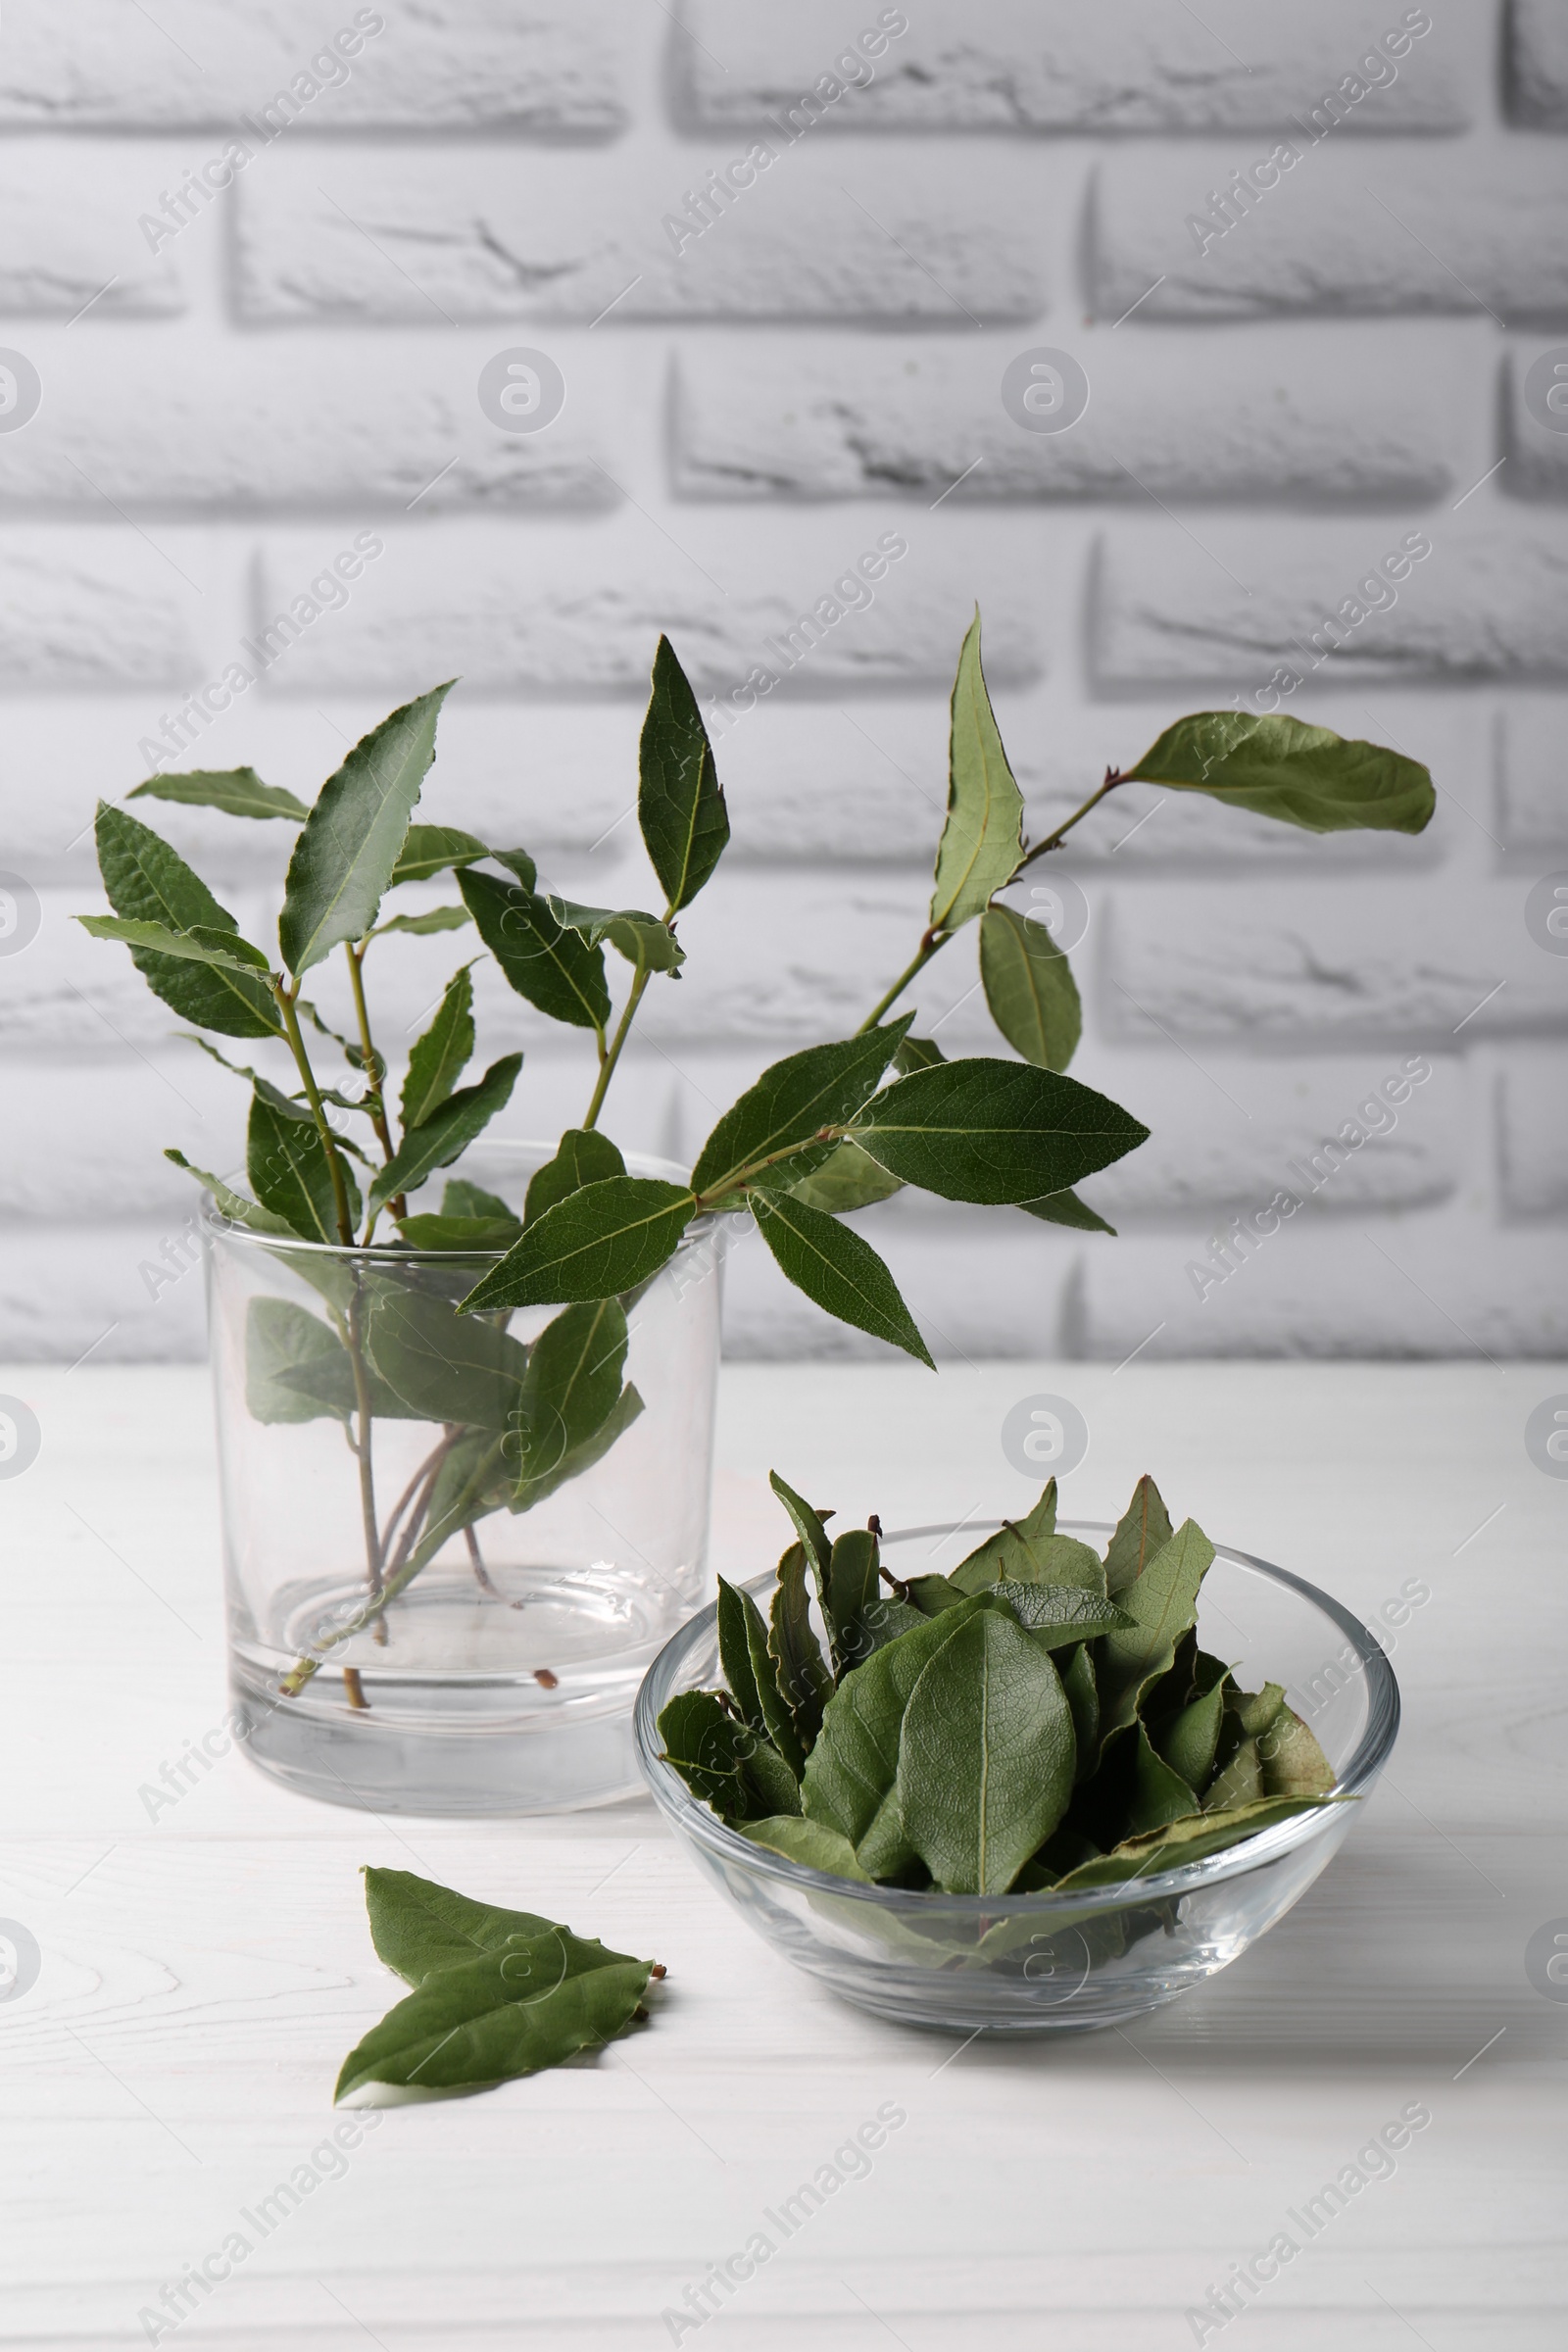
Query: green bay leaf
(430, 850)
(838, 1270)
(811, 1843)
(1178, 1843)
(982, 839)
(444, 1366)
(442, 1054)
(800, 1669)
(147, 881)
(1280, 766)
(554, 968)
(986, 1754)
(1142, 1529)
(598, 1242)
(780, 1117)
(1030, 989)
(349, 845)
(236, 790)
(1164, 1602)
(418, 1926)
(680, 803)
(854, 1765)
(582, 1157)
(993, 1131)
(446, 1132)
(286, 1162)
(506, 2014)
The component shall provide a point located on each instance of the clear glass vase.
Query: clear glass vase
(443, 1588)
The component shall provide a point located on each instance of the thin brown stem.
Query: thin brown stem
(608, 1058)
(402, 1571)
(284, 997)
(1053, 840)
(757, 1167)
(930, 942)
(936, 937)
(374, 1066)
(481, 1573)
(364, 1453)
(432, 1461)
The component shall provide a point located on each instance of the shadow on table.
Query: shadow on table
(1402, 1953)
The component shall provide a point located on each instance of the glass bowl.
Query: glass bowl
(1052, 1963)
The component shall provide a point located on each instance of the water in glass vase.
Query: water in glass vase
(435, 1605)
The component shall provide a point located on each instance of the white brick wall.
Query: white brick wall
(237, 379)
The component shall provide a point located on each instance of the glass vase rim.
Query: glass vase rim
(219, 1227)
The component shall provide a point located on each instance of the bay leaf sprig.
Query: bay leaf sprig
(1040, 1718)
(348, 1165)
(496, 1993)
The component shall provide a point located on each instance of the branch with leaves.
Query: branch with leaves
(416, 1299)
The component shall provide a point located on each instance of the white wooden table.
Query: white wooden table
(203, 1972)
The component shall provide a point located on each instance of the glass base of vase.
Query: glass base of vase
(511, 1700)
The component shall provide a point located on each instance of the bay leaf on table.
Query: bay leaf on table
(510, 2012)
(418, 1926)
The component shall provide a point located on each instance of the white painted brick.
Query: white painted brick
(481, 235)
(1048, 65)
(89, 607)
(240, 426)
(1533, 796)
(978, 1283)
(1532, 1117)
(1538, 458)
(69, 1290)
(1370, 960)
(436, 64)
(71, 238)
(1538, 63)
(1487, 602)
(570, 611)
(1441, 1284)
(86, 1138)
(1341, 232)
(902, 419)
(1208, 1153)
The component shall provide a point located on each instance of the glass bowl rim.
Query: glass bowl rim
(219, 1227)
(685, 1811)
